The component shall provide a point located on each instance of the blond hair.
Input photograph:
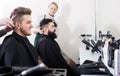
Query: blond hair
(54, 4)
(17, 13)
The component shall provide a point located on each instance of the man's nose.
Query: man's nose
(31, 25)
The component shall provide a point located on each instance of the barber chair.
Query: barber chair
(32, 71)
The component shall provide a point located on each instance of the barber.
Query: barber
(8, 23)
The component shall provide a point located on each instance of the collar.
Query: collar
(17, 36)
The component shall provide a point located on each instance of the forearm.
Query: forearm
(2, 33)
(68, 60)
(65, 56)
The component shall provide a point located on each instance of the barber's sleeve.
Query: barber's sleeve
(2, 33)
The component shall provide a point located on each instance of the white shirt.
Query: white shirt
(43, 17)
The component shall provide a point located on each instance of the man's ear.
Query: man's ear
(17, 24)
(45, 30)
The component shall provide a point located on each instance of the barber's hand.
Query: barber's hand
(71, 63)
(8, 23)
(37, 31)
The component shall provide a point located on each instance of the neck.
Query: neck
(51, 15)
(19, 33)
(45, 33)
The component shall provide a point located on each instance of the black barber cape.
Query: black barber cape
(49, 51)
(18, 51)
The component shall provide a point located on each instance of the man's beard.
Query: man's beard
(52, 35)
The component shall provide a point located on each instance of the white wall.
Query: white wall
(74, 17)
(108, 17)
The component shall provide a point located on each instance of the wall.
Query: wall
(108, 17)
(74, 17)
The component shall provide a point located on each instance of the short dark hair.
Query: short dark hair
(44, 22)
(17, 13)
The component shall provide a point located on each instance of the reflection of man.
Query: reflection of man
(8, 23)
(17, 48)
(49, 50)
